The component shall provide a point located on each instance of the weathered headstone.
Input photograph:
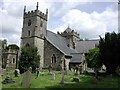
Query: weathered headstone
(53, 76)
(26, 79)
(7, 74)
(30, 69)
(80, 69)
(17, 72)
(76, 79)
(63, 74)
(8, 79)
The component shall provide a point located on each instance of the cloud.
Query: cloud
(10, 27)
(11, 16)
(90, 25)
(66, 5)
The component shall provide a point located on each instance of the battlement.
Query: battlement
(69, 33)
(35, 13)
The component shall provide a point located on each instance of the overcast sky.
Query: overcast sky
(89, 19)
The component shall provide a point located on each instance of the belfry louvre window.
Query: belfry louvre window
(41, 24)
(27, 45)
(28, 33)
(29, 22)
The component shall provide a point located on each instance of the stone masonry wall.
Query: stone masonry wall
(49, 51)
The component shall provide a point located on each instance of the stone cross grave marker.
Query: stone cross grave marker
(26, 79)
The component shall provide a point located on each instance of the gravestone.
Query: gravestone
(63, 74)
(53, 76)
(30, 69)
(26, 79)
(77, 72)
(7, 74)
(76, 79)
(8, 79)
(80, 69)
(17, 72)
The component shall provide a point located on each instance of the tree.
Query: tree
(13, 47)
(29, 58)
(93, 60)
(109, 51)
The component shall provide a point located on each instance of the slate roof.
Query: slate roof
(76, 58)
(60, 43)
(85, 46)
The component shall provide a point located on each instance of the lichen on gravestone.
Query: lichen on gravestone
(53, 76)
(26, 79)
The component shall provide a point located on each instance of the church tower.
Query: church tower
(71, 36)
(34, 30)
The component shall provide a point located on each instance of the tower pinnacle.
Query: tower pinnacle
(37, 6)
(46, 11)
(24, 9)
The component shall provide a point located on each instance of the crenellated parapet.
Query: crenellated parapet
(71, 36)
(35, 13)
(70, 33)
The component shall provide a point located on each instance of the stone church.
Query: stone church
(60, 50)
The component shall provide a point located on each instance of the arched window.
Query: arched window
(64, 64)
(27, 45)
(53, 59)
(29, 22)
(28, 33)
(68, 45)
(13, 60)
(41, 24)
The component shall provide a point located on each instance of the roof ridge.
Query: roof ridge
(59, 42)
(56, 47)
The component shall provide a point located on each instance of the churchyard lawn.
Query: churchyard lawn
(45, 81)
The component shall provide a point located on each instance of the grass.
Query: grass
(45, 81)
